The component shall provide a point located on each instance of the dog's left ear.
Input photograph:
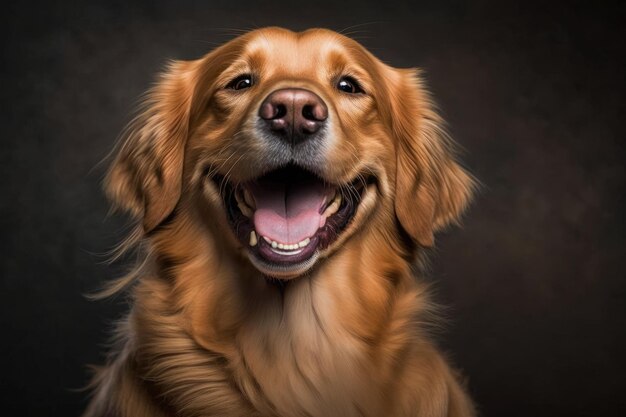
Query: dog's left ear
(432, 189)
(145, 177)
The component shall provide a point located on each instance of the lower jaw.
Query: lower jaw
(286, 264)
(283, 271)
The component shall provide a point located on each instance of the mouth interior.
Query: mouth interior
(288, 215)
(289, 208)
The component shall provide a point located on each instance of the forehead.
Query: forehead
(304, 51)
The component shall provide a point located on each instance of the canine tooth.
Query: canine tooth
(245, 210)
(253, 239)
(267, 239)
(304, 243)
(274, 244)
(333, 208)
(248, 199)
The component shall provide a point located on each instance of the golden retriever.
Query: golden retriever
(286, 186)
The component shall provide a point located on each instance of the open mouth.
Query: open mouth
(287, 217)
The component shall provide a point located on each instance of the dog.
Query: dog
(286, 187)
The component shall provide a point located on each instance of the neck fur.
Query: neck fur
(320, 345)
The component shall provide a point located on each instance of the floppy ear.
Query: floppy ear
(432, 189)
(145, 177)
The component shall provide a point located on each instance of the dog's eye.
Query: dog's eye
(349, 85)
(241, 82)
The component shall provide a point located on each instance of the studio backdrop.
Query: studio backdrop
(532, 284)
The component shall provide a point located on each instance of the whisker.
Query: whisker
(213, 171)
(225, 179)
(358, 25)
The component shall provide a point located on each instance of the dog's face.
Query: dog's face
(287, 145)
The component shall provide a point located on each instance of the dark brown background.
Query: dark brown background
(534, 93)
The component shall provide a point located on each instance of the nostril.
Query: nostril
(307, 112)
(273, 111)
(281, 111)
(315, 112)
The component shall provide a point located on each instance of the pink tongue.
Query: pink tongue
(289, 212)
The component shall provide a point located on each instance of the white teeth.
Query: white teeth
(253, 239)
(283, 246)
(287, 253)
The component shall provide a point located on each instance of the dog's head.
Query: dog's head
(288, 145)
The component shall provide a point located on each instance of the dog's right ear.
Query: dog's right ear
(145, 177)
(432, 188)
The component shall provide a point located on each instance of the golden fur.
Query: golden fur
(207, 335)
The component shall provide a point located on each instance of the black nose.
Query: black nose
(294, 114)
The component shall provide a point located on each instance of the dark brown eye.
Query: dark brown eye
(240, 83)
(349, 85)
